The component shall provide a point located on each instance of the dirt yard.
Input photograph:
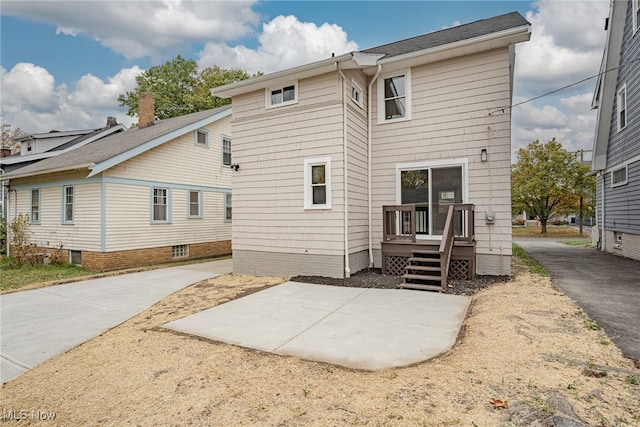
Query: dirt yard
(523, 345)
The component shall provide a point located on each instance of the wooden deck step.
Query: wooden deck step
(425, 252)
(422, 277)
(423, 260)
(419, 286)
(423, 268)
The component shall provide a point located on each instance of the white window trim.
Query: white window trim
(64, 205)
(228, 200)
(222, 139)
(634, 9)
(381, 108)
(268, 91)
(356, 87)
(206, 137)
(626, 176)
(31, 220)
(618, 109)
(464, 163)
(308, 193)
(199, 214)
(168, 207)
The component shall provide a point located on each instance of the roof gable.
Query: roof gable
(107, 152)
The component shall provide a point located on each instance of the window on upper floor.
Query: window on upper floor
(202, 138)
(622, 107)
(394, 97)
(636, 15)
(619, 176)
(279, 96)
(226, 150)
(68, 201)
(356, 93)
(317, 183)
(35, 206)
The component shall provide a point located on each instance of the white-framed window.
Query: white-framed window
(35, 206)
(636, 15)
(68, 201)
(160, 205)
(226, 150)
(29, 146)
(179, 251)
(394, 97)
(622, 107)
(317, 183)
(227, 207)
(202, 138)
(619, 176)
(432, 187)
(282, 95)
(357, 94)
(195, 204)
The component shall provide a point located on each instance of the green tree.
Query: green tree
(180, 88)
(547, 181)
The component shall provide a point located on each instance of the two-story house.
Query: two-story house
(616, 159)
(353, 161)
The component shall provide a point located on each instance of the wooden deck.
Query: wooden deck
(405, 254)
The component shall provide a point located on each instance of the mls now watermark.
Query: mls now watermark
(24, 414)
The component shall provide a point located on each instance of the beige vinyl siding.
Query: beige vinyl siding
(357, 168)
(451, 105)
(129, 208)
(82, 234)
(270, 146)
(181, 161)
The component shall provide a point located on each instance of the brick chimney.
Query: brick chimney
(146, 111)
(111, 122)
(5, 151)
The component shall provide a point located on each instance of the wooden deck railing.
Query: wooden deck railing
(401, 221)
(445, 247)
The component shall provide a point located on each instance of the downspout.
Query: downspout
(347, 267)
(369, 214)
(603, 232)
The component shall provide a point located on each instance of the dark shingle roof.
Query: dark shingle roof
(114, 145)
(451, 35)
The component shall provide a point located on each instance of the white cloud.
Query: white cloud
(284, 42)
(143, 28)
(32, 102)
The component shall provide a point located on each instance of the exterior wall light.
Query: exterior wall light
(483, 155)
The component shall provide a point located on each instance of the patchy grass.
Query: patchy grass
(523, 258)
(18, 277)
(552, 231)
(577, 242)
(32, 277)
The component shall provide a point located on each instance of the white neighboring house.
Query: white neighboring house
(415, 126)
(154, 193)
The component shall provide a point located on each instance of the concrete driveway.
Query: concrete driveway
(605, 286)
(40, 324)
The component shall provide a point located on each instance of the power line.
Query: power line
(564, 87)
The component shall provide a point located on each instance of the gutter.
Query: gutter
(345, 158)
(369, 214)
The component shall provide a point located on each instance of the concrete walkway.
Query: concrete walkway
(605, 286)
(358, 328)
(40, 324)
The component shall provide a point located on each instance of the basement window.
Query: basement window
(180, 251)
(75, 258)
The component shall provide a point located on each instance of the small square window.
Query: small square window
(75, 257)
(282, 95)
(180, 251)
(317, 183)
(356, 93)
(226, 151)
(202, 138)
(619, 177)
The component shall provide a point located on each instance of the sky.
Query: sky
(64, 63)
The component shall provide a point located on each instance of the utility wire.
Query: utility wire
(564, 87)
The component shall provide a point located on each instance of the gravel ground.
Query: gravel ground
(372, 278)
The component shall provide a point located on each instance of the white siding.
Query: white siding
(452, 101)
(270, 146)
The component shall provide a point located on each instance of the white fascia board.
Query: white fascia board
(273, 79)
(17, 174)
(122, 157)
